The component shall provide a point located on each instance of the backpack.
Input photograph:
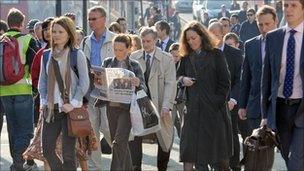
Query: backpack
(11, 67)
(73, 64)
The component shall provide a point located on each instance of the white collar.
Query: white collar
(299, 28)
(151, 54)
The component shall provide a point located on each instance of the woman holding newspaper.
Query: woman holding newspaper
(119, 113)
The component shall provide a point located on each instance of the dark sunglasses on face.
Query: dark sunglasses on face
(93, 19)
(249, 15)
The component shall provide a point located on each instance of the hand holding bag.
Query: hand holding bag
(79, 124)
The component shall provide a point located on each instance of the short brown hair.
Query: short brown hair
(265, 9)
(136, 39)
(99, 9)
(123, 38)
(69, 27)
(207, 43)
(147, 30)
(15, 18)
(232, 36)
(114, 26)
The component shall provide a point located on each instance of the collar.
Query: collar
(299, 28)
(152, 53)
(103, 36)
(166, 40)
(222, 47)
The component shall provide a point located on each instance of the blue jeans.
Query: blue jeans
(19, 111)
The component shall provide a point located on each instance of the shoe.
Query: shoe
(28, 167)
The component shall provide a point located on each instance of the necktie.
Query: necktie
(148, 67)
(161, 45)
(290, 65)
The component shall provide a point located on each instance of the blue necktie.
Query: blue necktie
(148, 67)
(290, 65)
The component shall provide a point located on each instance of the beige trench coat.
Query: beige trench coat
(162, 86)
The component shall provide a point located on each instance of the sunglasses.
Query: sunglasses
(93, 19)
(249, 15)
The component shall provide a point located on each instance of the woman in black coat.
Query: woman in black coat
(206, 135)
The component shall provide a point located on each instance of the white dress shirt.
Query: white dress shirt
(297, 81)
(165, 42)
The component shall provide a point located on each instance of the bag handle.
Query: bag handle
(193, 65)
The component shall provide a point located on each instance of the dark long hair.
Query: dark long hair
(207, 43)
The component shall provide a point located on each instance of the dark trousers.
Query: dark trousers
(120, 127)
(19, 117)
(50, 133)
(290, 136)
(136, 151)
(234, 162)
(219, 166)
(254, 123)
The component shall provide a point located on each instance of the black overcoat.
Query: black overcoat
(206, 134)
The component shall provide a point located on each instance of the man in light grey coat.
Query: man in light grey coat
(98, 46)
(160, 78)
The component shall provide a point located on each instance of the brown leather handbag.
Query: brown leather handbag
(79, 124)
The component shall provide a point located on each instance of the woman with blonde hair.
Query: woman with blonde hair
(206, 137)
(136, 43)
(56, 104)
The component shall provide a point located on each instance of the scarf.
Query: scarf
(65, 72)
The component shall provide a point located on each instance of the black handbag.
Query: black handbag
(181, 94)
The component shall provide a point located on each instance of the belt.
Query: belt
(289, 102)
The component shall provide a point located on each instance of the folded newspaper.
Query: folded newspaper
(115, 84)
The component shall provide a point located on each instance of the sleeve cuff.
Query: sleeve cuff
(43, 102)
(75, 103)
(233, 100)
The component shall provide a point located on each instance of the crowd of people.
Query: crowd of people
(237, 73)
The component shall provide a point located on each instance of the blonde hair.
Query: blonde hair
(69, 27)
(137, 39)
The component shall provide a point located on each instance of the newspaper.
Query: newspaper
(113, 84)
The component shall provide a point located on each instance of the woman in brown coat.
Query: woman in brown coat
(206, 134)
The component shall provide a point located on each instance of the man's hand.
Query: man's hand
(242, 114)
(263, 122)
(66, 108)
(231, 104)
(164, 112)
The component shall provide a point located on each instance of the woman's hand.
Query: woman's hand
(66, 108)
(135, 81)
(188, 81)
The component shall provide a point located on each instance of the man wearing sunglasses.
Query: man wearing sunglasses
(97, 46)
(249, 28)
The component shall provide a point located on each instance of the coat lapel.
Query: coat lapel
(260, 56)
(155, 63)
(280, 41)
(302, 63)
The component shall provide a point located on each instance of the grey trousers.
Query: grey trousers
(120, 127)
(99, 124)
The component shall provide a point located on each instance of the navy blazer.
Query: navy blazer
(170, 42)
(234, 60)
(271, 75)
(250, 95)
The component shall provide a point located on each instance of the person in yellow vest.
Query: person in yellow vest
(17, 98)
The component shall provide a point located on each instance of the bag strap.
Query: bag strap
(63, 93)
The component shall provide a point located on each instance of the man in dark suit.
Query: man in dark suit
(163, 31)
(223, 13)
(250, 96)
(283, 84)
(234, 60)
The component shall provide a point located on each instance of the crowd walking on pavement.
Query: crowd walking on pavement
(210, 81)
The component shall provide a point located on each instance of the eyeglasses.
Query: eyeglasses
(93, 19)
(249, 15)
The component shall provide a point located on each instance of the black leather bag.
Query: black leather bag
(181, 95)
(259, 150)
